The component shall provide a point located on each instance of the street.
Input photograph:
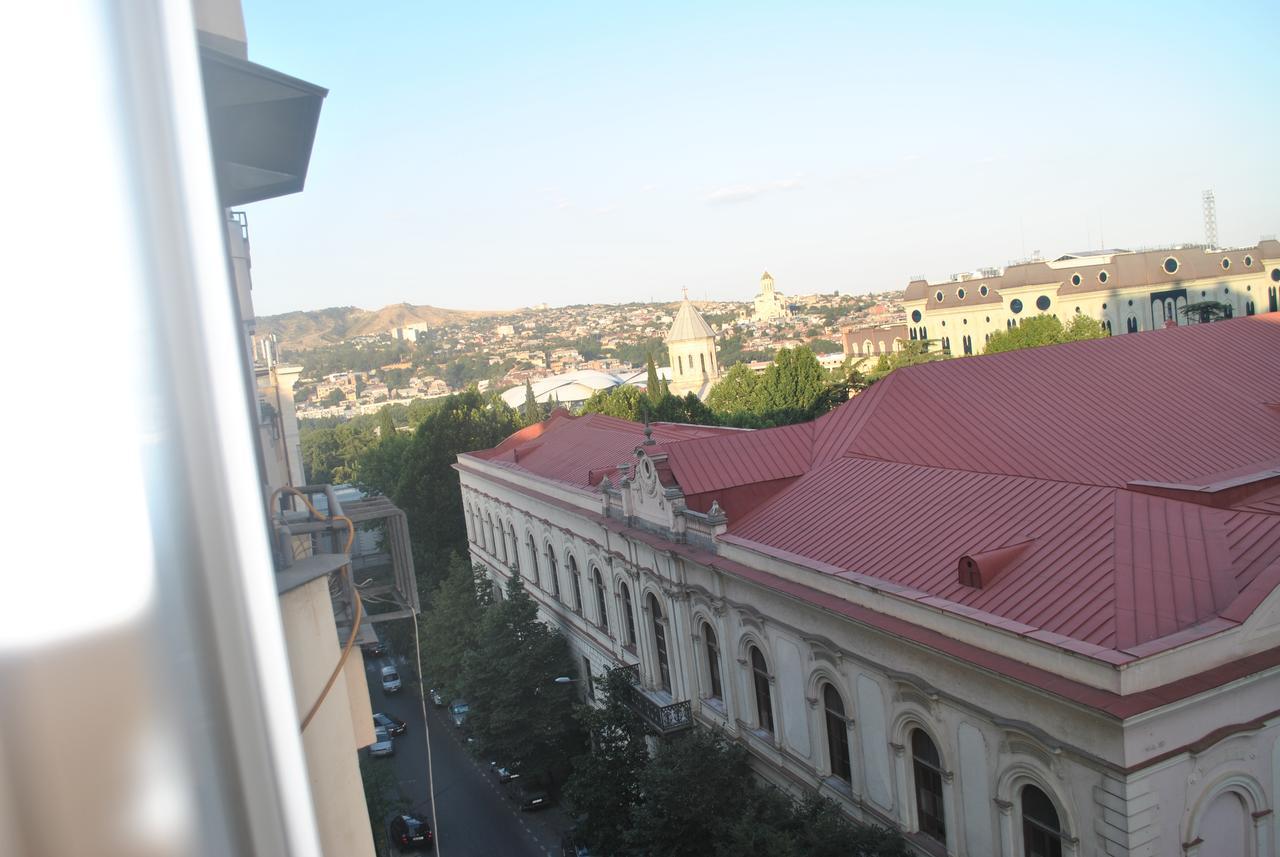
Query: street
(475, 817)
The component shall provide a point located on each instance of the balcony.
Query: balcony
(665, 719)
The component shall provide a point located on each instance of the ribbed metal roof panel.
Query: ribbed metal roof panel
(728, 460)
(1102, 412)
(1108, 567)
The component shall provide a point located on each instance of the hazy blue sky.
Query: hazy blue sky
(481, 155)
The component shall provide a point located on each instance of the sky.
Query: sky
(490, 156)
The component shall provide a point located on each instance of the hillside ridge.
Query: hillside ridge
(302, 329)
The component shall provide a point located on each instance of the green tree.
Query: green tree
(335, 397)
(652, 384)
(386, 424)
(1044, 330)
(520, 714)
(736, 392)
(693, 793)
(913, 353)
(625, 402)
(794, 382)
(1206, 311)
(427, 487)
(824, 346)
(604, 791)
(451, 626)
(532, 410)
(381, 796)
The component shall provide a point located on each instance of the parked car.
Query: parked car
(394, 725)
(382, 744)
(458, 710)
(390, 680)
(409, 833)
(503, 773)
(374, 649)
(437, 699)
(529, 797)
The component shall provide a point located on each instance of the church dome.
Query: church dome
(689, 324)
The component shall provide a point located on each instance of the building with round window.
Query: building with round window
(1126, 291)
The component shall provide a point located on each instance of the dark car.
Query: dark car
(394, 725)
(374, 649)
(503, 773)
(529, 797)
(409, 833)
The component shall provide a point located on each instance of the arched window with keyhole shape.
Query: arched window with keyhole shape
(602, 611)
(837, 725)
(763, 694)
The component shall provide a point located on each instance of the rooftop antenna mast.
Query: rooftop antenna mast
(1210, 219)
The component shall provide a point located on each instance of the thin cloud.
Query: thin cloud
(731, 194)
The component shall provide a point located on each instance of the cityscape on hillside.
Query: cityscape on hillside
(643, 430)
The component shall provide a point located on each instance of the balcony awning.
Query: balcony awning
(261, 125)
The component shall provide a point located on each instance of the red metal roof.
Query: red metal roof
(582, 450)
(1166, 405)
(1105, 461)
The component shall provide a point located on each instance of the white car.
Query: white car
(390, 680)
(382, 745)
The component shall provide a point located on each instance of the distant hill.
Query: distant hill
(300, 330)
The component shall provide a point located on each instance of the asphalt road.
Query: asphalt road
(476, 819)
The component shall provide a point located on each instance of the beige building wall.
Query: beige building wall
(1119, 302)
(343, 724)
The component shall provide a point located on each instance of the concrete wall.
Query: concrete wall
(343, 723)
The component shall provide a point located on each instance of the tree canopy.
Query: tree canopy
(1044, 330)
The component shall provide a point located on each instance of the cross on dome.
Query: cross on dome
(685, 289)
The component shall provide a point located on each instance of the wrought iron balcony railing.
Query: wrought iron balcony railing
(664, 719)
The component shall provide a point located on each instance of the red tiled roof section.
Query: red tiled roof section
(1102, 412)
(580, 450)
(741, 458)
(1107, 567)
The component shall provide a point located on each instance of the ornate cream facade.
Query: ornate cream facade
(1127, 292)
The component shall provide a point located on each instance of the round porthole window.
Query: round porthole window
(938, 296)
(1275, 275)
(964, 321)
(1130, 303)
(1226, 290)
(1104, 306)
(984, 291)
(1102, 276)
(1075, 279)
(1203, 293)
(1226, 263)
(1077, 310)
(1015, 306)
(988, 319)
(1042, 303)
(960, 294)
(1171, 265)
(1248, 261)
(915, 316)
(944, 324)
(1248, 288)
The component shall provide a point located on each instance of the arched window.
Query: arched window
(513, 548)
(702, 361)
(576, 583)
(927, 767)
(680, 363)
(713, 660)
(660, 643)
(837, 733)
(601, 608)
(764, 698)
(628, 618)
(555, 572)
(533, 556)
(490, 539)
(1041, 831)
